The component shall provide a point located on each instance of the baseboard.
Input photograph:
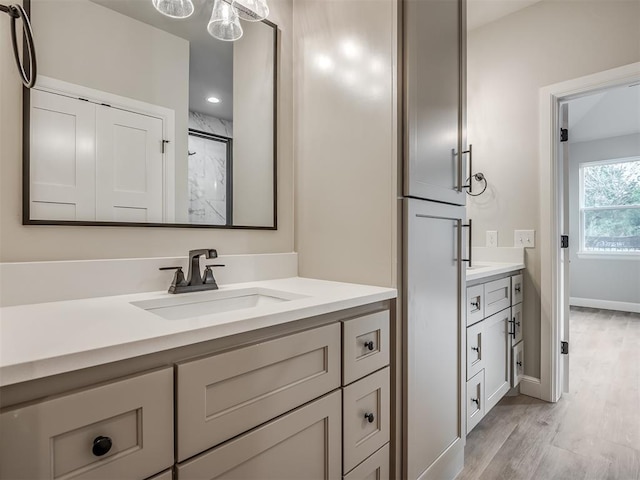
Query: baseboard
(531, 387)
(605, 304)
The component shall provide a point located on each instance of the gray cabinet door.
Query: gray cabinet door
(434, 100)
(435, 336)
(497, 356)
(304, 444)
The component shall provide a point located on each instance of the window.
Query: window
(610, 207)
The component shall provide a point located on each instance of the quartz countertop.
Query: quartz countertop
(46, 339)
(488, 269)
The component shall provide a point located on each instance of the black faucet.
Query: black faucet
(194, 281)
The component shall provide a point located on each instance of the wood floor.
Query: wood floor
(591, 433)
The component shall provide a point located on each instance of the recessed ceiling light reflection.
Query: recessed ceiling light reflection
(213, 100)
(351, 49)
(324, 63)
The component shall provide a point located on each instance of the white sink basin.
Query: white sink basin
(188, 305)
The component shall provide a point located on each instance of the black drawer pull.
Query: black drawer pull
(369, 345)
(369, 416)
(101, 446)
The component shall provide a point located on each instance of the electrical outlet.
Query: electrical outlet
(492, 238)
(524, 238)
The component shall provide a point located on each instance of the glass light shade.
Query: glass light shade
(224, 23)
(251, 10)
(174, 8)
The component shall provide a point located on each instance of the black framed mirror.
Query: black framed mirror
(138, 119)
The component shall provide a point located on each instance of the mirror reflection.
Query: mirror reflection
(138, 118)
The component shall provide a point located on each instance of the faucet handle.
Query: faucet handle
(208, 275)
(178, 278)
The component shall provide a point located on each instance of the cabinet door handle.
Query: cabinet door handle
(369, 345)
(369, 417)
(470, 226)
(101, 446)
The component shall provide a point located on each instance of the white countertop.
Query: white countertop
(488, 269)
(50, 338)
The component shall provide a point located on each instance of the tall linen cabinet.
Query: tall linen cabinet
(435, 236)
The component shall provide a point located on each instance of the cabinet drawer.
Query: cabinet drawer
(517, 367)
(304, 444)
(166, 475)
(475, 352)
(475, 304)
(365, 345)
(366, 410)
(497, 296)
(376, 467)
(516, 289)
(475, 400)
(516, 324)
(58, 437)
(221, 396)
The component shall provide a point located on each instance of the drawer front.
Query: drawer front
(376, 467)
(475, 352)
(366, 410)
(516, 289)
(365, 345)
(497, 296)
(516, 324)
(166, 475)
(475, 400)
(221, 396)
(517, 367)
(304, 444)
(57, 438)
(475, 304)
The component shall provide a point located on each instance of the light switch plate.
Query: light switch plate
(492, 238)
(524, 238)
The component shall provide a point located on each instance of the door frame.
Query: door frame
(550, 388)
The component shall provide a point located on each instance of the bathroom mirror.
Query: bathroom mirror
(141, 119)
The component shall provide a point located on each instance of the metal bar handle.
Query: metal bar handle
(470, 184)
(470, 225)
(15, 12)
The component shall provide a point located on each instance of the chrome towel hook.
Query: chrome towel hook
(16, 12)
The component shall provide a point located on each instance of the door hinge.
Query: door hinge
(564, 348)
(564, 241)
(564, 134)
(164, 142)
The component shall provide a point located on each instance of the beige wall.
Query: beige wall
(508, 62)
(252, 132)
(345, 115)
(31, 243)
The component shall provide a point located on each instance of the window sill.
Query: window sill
(609, 255)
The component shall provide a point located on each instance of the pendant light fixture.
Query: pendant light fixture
(225, 15)
(224, 23)
(251, 10)
(174, 8)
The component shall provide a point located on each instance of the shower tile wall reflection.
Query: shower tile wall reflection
(207, 181)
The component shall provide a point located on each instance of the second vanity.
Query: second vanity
(148, 386)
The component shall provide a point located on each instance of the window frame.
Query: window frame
(602, 254)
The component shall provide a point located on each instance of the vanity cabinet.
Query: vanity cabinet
(494, 341)
(313, 402)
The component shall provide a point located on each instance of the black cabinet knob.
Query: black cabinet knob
(101, 446)
(369, 416)
(519, 364)
(369, 345)
(476, 401)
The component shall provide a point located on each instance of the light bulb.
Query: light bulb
(224, 23)
(174, 8)
(251, 10)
